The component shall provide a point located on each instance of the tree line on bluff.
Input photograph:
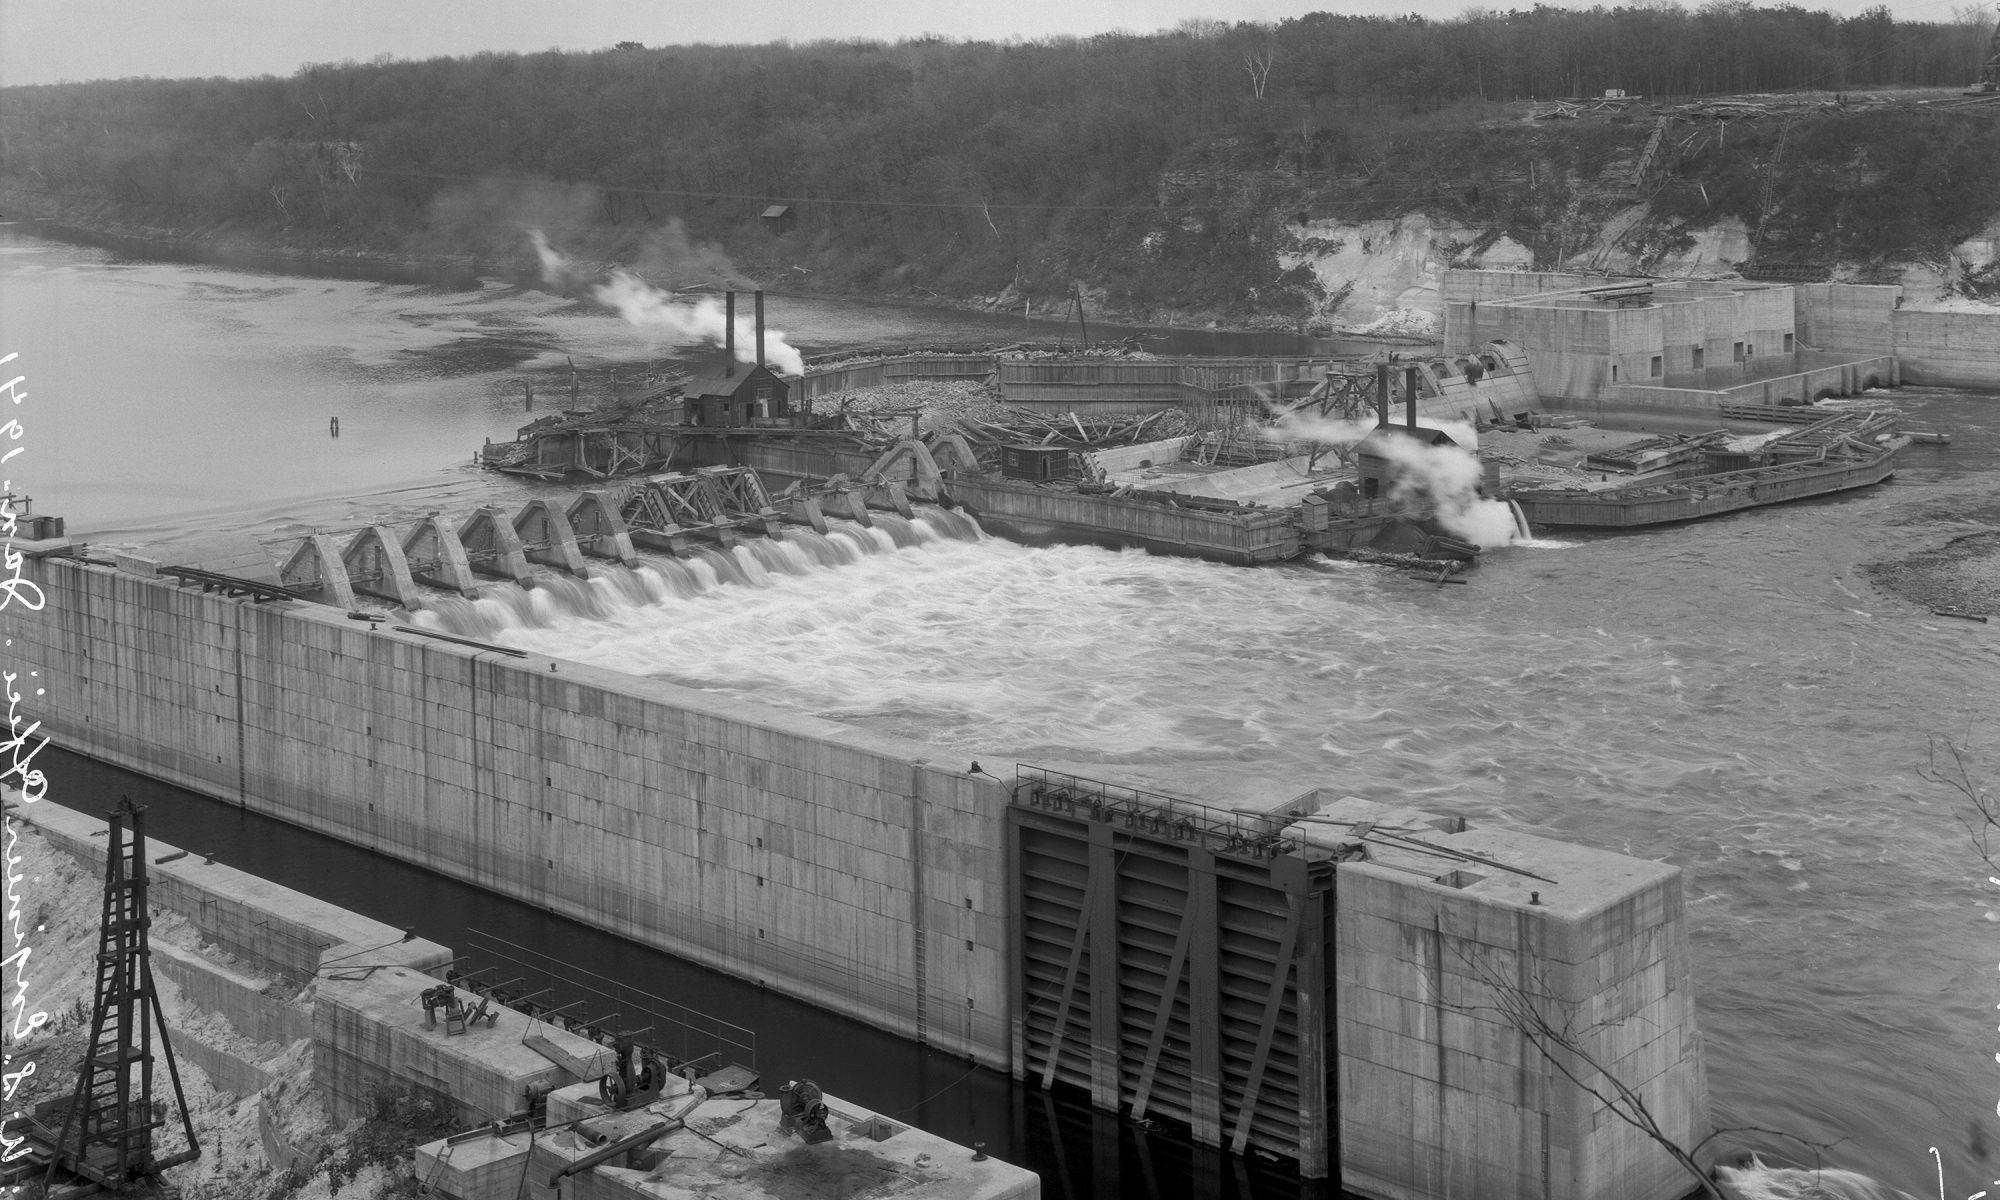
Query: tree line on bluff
(1160, 166)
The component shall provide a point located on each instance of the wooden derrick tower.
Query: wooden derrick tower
(106, 1141)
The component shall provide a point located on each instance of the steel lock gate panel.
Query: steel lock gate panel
(1172, 981)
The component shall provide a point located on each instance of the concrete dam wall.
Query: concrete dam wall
(1949, 349)
(850, 870)
(1940, 349)
(826, 862)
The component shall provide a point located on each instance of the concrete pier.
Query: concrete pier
(376, 567)
(600, 530)
(1468, 997)
(546, 537)
(492, 546)
(315, 569)
(437, 557)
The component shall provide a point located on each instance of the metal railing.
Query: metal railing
(596, 1005)
(1151, 813)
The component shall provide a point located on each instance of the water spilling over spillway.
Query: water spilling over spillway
(655, 591)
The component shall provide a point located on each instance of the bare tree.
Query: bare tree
(1948, 767)
(1259, 66)
(1552, 1028)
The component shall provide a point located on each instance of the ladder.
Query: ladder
(107, 1132)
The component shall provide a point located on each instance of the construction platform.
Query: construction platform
(724, 1147)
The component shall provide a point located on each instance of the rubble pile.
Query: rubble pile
(974, 411)
(933, 398)
(1404, 322)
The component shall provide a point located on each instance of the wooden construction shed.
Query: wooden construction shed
(751, 396)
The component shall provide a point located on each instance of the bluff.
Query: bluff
(1303, 173)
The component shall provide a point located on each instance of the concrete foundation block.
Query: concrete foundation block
(479, 1168)
(370, 1029)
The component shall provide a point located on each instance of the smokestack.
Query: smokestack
(760, 327)
(729, 335)
(1382, 393)
(1410, 397)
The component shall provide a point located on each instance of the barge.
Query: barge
(1837, 454)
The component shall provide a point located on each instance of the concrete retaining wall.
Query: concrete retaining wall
(259, 1009)
(1850, 317)
(1948, 349)
(225, 1071)
(835, 865)
(1024, 511)
(1942, 349)
(1841, 379)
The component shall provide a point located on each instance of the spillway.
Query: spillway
(550, 598)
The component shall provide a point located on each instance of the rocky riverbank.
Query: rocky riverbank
(1961, 576)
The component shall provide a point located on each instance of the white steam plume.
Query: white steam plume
(648, 307)
(557, 270)
(1447, 476)
(1326, 431)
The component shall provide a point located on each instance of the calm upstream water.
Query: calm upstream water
(1734, 697)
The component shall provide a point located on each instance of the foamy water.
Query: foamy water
(621, 598)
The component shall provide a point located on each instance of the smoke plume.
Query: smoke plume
(1447, 478)
(650, 308)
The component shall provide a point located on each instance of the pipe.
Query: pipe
(760, 327)
(675, 1120)
(644, 1137)
(729, 335)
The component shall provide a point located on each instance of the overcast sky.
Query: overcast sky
(43, 41)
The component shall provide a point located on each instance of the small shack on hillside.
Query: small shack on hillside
(748, 397)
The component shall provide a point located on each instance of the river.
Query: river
(1735, 697)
